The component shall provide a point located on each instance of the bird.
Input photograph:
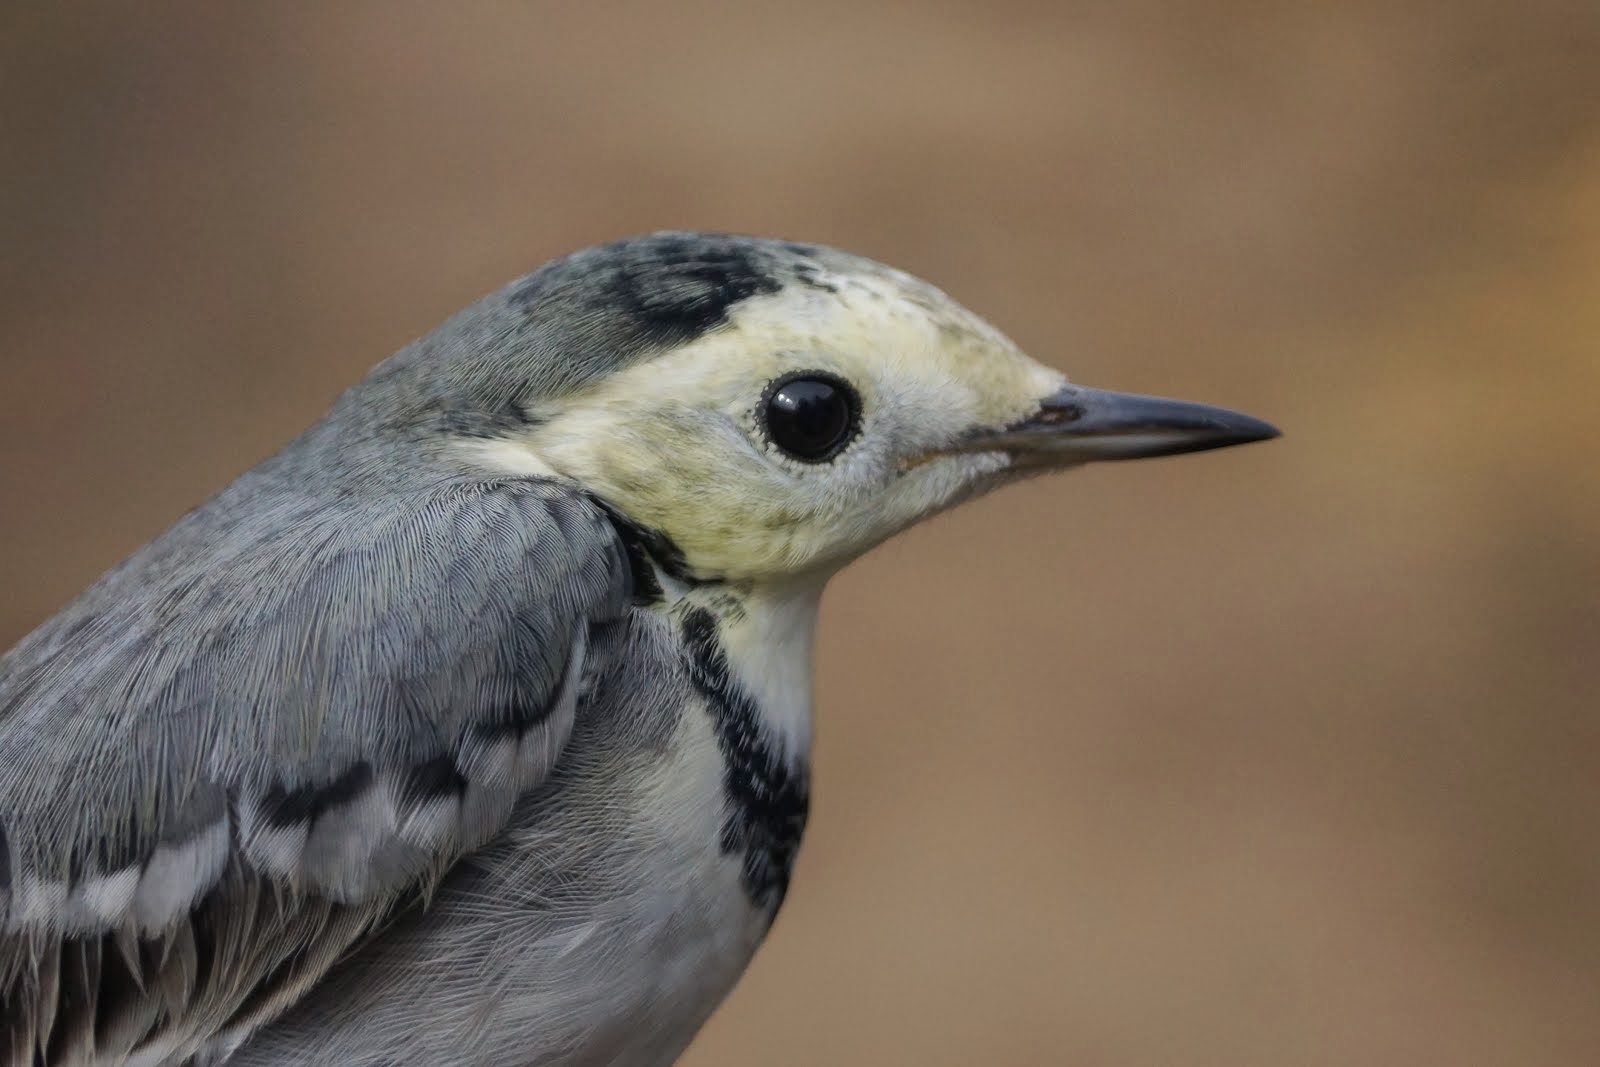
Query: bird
(473, 727)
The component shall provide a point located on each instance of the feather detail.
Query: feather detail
(211, 790)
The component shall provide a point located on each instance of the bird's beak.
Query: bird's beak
(1078, 425)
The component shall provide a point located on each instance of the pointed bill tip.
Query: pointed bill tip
(1080, 425)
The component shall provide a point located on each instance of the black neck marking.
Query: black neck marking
(767, 799)
(649, 551)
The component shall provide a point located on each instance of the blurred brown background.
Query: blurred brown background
(1289, 755)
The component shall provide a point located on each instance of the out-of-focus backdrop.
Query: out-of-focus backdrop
(1288, 755)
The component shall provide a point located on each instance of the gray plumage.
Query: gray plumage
(305, 703)
(386, 755)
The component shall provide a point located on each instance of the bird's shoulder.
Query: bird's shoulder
(226, 760)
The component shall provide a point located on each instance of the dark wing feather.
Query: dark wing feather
(227, 761)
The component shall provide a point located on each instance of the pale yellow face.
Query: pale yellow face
(679, 442)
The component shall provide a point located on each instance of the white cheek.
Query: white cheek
(920, 494)
(948, 481)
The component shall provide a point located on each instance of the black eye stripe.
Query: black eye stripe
(811, 415)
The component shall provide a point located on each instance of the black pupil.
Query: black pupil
(810, 418)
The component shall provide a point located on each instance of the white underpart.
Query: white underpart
(684, 795)
(769, 651)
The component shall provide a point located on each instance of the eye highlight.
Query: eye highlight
(811, 415)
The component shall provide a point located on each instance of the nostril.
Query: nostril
(1055, 416)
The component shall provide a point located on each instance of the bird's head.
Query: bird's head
(787, 407)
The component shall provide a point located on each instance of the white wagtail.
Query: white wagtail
(473, 727)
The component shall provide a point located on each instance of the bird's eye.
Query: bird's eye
(812, 416)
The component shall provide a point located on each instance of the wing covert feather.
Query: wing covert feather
(224, 763)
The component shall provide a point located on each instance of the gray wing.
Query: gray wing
(231, 758)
